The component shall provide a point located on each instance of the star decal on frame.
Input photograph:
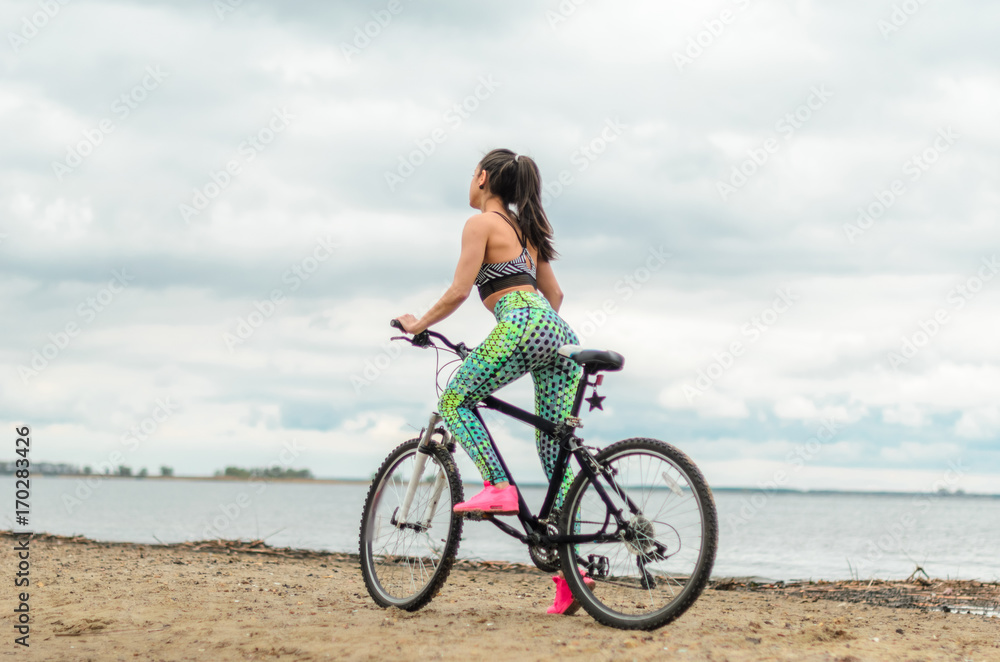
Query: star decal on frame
(595, 401)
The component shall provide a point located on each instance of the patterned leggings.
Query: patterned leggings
(526, 338)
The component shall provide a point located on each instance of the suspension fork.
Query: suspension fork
(423, 452)
(439, 484)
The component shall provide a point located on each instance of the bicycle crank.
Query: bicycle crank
(545, 557)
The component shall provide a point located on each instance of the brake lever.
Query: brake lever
(422, 339)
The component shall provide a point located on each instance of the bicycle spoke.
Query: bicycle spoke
(660, 551)
(403, 563)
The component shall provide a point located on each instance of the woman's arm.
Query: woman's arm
(548, 285)
(474, 237)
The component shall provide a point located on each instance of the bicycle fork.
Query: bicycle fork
(423, 520)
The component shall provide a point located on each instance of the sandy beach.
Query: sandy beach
(104, 601)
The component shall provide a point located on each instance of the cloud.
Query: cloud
(979, 423)
(651, 185)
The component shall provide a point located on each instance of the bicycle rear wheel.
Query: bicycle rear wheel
(404, 564)
(661, 561)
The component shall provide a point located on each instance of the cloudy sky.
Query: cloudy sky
(783, 214)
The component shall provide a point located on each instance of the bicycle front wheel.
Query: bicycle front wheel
(660, 560)
(406, 561)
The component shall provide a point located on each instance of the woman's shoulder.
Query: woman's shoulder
(479, 224)
(482, 217)
(477, 229)
(489, 222)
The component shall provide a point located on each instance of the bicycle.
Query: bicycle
(639, 518)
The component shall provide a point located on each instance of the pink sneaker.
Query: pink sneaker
(492, 501)
(565, 603)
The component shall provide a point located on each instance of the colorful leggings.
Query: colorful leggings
(526, 338)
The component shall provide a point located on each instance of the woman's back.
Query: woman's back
(503, 243)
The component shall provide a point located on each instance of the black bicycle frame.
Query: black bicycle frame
(569, 443)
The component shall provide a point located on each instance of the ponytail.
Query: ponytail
(531, 216)
(516, 180)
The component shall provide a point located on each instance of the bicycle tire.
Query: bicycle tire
(404, 567)
(676, 510)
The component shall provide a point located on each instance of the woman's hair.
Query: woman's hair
(516, 180)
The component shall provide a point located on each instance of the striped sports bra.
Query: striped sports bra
(495, 276)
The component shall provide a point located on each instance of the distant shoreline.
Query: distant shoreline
(366, 481)
(230, 479)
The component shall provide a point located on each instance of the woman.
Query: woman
(508, 256)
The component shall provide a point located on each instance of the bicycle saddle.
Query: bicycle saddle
(597, 359)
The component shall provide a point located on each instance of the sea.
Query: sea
(768, 536)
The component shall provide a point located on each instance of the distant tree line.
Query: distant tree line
(64, 469)
(264, 472)
(125, 471)
(52, 468)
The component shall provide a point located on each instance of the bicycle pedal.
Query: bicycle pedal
(477, 515)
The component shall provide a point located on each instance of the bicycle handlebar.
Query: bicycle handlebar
(423, 339)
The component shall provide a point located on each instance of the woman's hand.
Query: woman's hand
(409, 323)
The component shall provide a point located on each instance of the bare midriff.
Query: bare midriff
(491, 301)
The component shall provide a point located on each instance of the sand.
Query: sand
(99, 601)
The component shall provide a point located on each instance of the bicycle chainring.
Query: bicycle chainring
(546, 557)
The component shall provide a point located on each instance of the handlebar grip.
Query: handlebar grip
(396, 323)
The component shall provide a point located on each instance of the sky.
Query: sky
(783, 215)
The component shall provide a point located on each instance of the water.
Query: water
(775, 536)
